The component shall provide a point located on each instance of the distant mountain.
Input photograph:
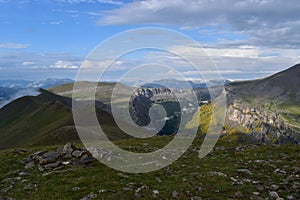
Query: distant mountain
(15, 94)
(14, 89)
(21, 84)
(6, 92)
(182, 84)
(265, 110)
(103, 93)
(50, 82)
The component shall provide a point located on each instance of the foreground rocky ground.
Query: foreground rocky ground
(230, 171)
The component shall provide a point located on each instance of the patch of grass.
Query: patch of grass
(189, 175)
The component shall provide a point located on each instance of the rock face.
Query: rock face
(260, 125)
(144, 98)
(266, 110)
(58, 159)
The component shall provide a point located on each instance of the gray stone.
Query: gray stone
(6, 189)
(24, 181)
(30, 187)
(15, 172)
(77, 153)
(175, 194)
(218, 174)
(35, 156)
(274, 187)
(233, 179)
(85, 161)
(60, 149)
(246, 180)
(29, 165)
(102, 191)
(75, 189)
(68, 148)
(49, 157)
(158, 179)
(41, 168)
(58, 168)
(279, 171)
(24, 174)
(155, 192)
(123, 175)
(66, 163)
(11, 180)
(239, 194)
(52, 165)
(273, 195)
(260, 188)
(90, 196)
(244, 171)
(47, 174)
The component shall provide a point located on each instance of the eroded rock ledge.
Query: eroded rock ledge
(260, 125)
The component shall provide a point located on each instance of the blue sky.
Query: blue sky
(50, 38)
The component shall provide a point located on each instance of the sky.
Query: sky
(246, 39)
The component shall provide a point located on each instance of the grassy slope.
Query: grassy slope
(30, 121)
(44, 120)
(189, 175)
(103, 92)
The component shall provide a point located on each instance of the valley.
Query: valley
(262, 116)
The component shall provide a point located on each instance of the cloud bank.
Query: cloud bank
(268, 23)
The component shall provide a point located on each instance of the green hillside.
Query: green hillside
(85, 90)
(29, 120)
(45, 120)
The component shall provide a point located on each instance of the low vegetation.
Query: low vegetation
(229, 171)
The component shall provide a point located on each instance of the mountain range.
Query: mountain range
(265, 111)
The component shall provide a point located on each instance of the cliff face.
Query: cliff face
(266, 110)
(260, 125)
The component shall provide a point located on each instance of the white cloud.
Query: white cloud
(60, 64)
(56, 22)
(96, 65)
(189, 73)
(13, 46)
(29, 63)
(172, 72)
(113, 2)
(272, 23)
(218, 52)
(247, 61)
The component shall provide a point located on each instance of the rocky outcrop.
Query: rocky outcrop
(260, 125)
(67, 155)
(267, 110)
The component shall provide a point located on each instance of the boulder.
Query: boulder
(52, 165)
(77, 153)
(49, 157)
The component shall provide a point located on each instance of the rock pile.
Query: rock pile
(58, 159)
